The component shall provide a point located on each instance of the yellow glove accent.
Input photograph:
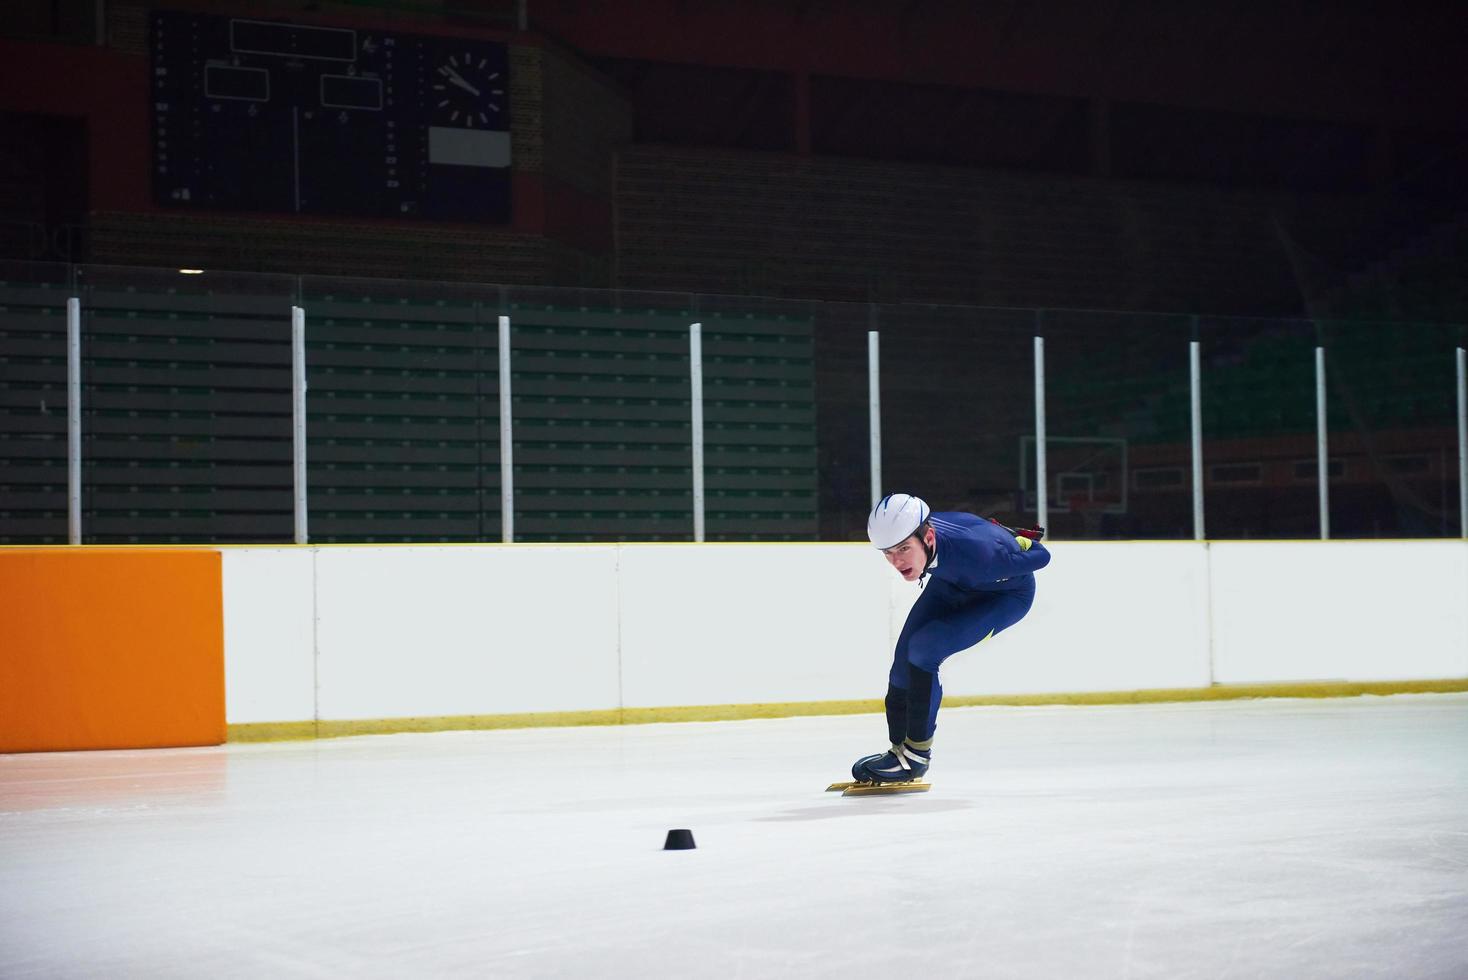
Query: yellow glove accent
(1023, 542)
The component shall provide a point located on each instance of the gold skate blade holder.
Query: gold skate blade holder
(851, 788)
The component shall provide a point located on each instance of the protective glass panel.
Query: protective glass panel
(1259, 423)
(187, 436)
(402, 410)
(186, 410)
(1118, 448)
(843, 412)
(760, 419)
(957, 404)
(1392, 407)
(602, 424)
(33, 403)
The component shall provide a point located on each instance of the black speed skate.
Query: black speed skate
(858, 768)
(898, 770)
(901, 764)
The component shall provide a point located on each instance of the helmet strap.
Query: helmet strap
(928, 553)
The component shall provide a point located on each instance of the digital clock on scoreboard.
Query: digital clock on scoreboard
(259, 115)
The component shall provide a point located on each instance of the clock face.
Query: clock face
(468, 93)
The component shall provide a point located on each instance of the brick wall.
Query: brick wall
(585, 121)
(586, 118)
(527, 117)
(456, 253)
(784, 225)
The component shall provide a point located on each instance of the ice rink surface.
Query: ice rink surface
(1276, 838)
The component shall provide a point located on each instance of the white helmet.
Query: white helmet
(896, 517)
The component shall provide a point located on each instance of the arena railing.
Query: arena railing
(1156, 425)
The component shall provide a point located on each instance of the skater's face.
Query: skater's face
(909, 557)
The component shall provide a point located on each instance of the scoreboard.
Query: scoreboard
(259, 115)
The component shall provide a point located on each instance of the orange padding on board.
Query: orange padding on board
(110, 648)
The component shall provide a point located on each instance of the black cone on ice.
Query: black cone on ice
(679, 840)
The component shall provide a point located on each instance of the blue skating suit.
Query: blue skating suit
(981, 583)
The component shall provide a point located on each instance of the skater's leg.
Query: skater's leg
(928, 606)
(936, 629)
(939, 638)
(896, 704)
(924, 695)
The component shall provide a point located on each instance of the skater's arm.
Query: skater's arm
(1028, 556)
(975, 563)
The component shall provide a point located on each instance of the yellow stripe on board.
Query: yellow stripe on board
(292, 730)
(1219, 692)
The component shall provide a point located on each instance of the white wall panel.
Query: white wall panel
(1108, 616)
(1339, 610)
(751, 623)
(269, 668)
(492, 629)
(425, 631)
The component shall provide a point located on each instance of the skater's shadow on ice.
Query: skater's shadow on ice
(839, 807)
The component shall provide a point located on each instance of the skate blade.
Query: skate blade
(879, 789)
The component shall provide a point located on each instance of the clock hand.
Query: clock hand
(456, 79)
(464, 85)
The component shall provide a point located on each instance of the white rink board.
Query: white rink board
(396, 632)
(1107, 617)
(269, 656)
(753, 623)
(1339, 610)
(413, 632)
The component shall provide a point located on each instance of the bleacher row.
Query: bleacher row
(187, 420)
(1258, 380)
(187, 427)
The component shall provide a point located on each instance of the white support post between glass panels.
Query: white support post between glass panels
(298, 421)
(1042, 504)
(1463, 442)
(74, 420)
(1322, 447)
(507, 443)
(695, 380)
(874, 411)
(1195, 371)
